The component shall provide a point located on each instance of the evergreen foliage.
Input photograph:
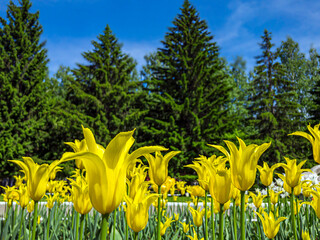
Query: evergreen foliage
(104, 91)
(23, 68)
(275, 110)
(189, 90)
(314, 75)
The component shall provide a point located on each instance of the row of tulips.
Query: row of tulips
(106, 178)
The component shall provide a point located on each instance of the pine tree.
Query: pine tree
(104, 90)
(23, 68)
(190, 91)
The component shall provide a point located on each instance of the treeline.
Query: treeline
(186, 96)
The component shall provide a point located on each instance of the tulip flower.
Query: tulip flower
(203, 173)
(305, 235)
(293, 172)
(196, 191)
(164, 226)
(158, 166)
(37, 176)
(257, 199)
(80, 195)
(243, 162)
(106, 170)
(315, 203)
(270, 225)
(266, 173)
(195, 236)
(137, 212)
(185, 227)
(181, 187)
(243, 166)
(19, 180)
(24, 197)
(30, 206)
(11, 194)
(274, 196)
(137, 178)
(197, 216)
(314, 139)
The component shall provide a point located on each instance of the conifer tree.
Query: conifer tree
(314, 76)
(104, 90)
(189, 91)
(23, 68)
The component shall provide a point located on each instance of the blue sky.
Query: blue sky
(70, 25)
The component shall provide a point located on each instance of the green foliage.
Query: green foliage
(104, 90)
(189, 91)
(23, 68)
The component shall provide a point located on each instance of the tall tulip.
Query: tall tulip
(270, 225)
(243, 166)
(314, 139)
(106, 170)
(292, 178)
(138, 207)
(266, 176)
(158, 172)
(37, 177)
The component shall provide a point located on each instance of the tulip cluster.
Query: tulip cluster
(135, 189)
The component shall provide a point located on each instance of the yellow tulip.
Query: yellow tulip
(293, 172)
(203, 173)
(306, 187)
(220, 185)
(80, 195)
(164, 226)
(257, 199)
(197, 216)
(243, 162)
(37, 176)
(305, 235)
(216, 206)
(176, 216)
(53, 173)
(10, 194)
(181, 187)
(196, 191)
(314, 140)
(30, 206)
(137, 210)
(50, 200)
(81, 146)
(266, 173)
(315, 203)
(24, 197)
(106, 168)
(158, 166)
(270, 225)
(195, 236)
(185, 227)
(136, 179)
(274, 197)
(19, 180)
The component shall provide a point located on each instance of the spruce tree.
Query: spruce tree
(23, 68)
(314, 76)
(189, 90)
(274, 109)
(104, 90)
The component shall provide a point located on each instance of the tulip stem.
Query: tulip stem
(268, 197)
(35, 218)
(205, 214)
(234, 211)
(48, 223)
(136, 234)
(159, 212)
(293, 219)
(104, 226)
(114, 224)
(307, 213)
(21, 221)
(242, 216)
(82, 221)
(221, 222)
(77, 226)
(212, 219)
